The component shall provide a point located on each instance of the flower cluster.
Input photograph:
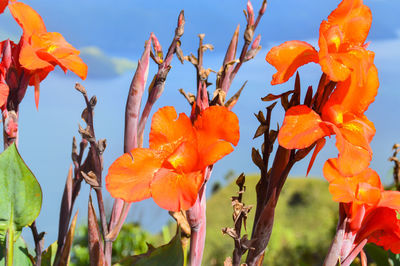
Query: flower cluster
(348, 86)
(171, 170)
(35, 56)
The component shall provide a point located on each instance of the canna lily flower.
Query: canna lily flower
(342, 115)
(171, 170)
(341, 42)
(371, 210)
(40, 50)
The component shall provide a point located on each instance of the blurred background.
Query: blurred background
(111, 38)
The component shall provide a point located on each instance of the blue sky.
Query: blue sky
(111, 37)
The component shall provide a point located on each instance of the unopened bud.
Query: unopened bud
(6, 54)
(256, 42)
(181, 24)
(157, 46)
(263, 8)
(250, 14)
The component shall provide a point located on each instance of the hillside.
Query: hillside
(305, 222)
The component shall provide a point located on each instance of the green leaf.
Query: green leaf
(20, 198)
(377, 254)
(170, 254)
(49, 255)
(394, 259)
(21, 254)
(20, 193)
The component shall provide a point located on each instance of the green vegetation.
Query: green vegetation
(305, 222)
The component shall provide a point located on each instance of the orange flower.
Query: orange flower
(342, 115)
(341, 42)
(171, 170)
(41, 51)
(371, 210)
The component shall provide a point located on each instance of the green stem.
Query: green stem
(10, 239)
(185, 255)
(10, 247)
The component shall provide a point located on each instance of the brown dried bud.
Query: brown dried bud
(248, 34)
(85, 133)
(179, 53)
(219, 97)
(260, 131)
(80, 88)
(85, 115)
(74, 153)
(91, 179)
(230, 232)
(260, 117)
(206, 47)
(93, 101)
(257, 159)
(101, 146)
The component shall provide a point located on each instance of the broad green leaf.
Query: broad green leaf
(49, 254)
(20, 193)
(21, 254)
(170, 254)
(377, 254)
(394, 259)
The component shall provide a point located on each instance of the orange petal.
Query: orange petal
(54, 43)
(341, 188)
(354, 19)
(349, 97)
(3, 5)
(168, 131)
(301, 128)
(75, 64)
(367, 193)
(358, 131)
(29, 20)
(217, 128)
(359, 60)
(318, 147)
(352, 159)
(288, 57)
(390, 199)
(331, 171)
(364, 188)
(37, 90)
(4, 91)
(328, 59)
(29, 59)
(183, 159)
(129, 179)
(175, 192)
(381, 227)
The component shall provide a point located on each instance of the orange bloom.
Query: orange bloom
(371, 210)
(342, 115)
(41, 51)
(171, 170)
(341, 42)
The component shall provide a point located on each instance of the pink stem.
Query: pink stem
(353, 254)
(197, 220)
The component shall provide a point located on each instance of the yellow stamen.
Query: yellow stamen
(51, 48)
